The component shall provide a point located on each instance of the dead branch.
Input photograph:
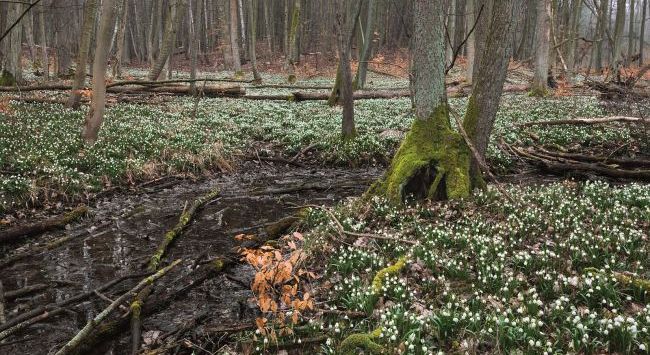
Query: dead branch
(587, 121)
(86, 330)
(2, 305)
(11, 295)
(12, 234)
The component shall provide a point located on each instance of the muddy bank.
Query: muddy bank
(123, 231)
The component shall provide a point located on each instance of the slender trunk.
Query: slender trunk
(292, 41)
(344, 36)
(90, 13)
(167, 48)
(368, 38)
(151, 35)
(451, 28)
(195, 25)
(28, 25)
(224, 34)
(11, 67)
(252, 38)
(268, 26)
(542, 40)
(242, 28)
(630, 36)
(471, 41)
(618, 37)
(234, 38)
(46, 60)
(603, 19)
(98, 102)
(121, 32)
(574, 31)
(642, 32)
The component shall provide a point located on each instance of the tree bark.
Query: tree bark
(89, 16)
(95, 116)
(618, 37)
(471, 41)
(542, 40)
(46, 61)
(630, 36)
(11, 67)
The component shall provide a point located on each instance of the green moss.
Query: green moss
(292, 78)
(538, 92)
(354, 342)
(75, 214)
(429, 143)
(7, 79)
(136, 308)
(378, 280)
(638, 283)
(219, 264)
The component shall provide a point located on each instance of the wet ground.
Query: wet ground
(123, 231)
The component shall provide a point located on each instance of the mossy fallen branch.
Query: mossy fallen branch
(11, 235)
(354, 342)
(638, 283)
(183, 222)
(378, 280)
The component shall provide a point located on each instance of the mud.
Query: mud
(123, 231)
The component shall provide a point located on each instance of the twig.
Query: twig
(85, 331)
(303, 151)
(2, 305)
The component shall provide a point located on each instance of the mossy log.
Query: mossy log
(13, 234)
(80, 337)
(637, 283)
(354, 342)
(183, 222)
(432, 162)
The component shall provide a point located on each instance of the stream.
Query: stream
(122, 232)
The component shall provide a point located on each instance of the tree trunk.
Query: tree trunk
(252, 38)
(98, 104)
(368, 38)
(618, 37)
(121, 31)
(234, 38)
(28, 26)
(344, 34)
(169, 38)
(11, 67)
(642, 32)
(471, 41)
(242, 27)
(574, 32)
(292, 41)
(451, 28)
(195, 25)
(542, 40)
(90, 13)
(483, 103)
(46, 61)
(601, 28)
(630, 36)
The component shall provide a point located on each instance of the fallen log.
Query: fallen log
(87, 329)
(597, 159)
(184, 90)
(11, 295)
(587, 121)
(183, 222)
(12, 234)
(173, 81)
(561, 166)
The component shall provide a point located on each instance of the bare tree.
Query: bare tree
(95, 116)
(234, 38)
(344, 24)
(169, 38)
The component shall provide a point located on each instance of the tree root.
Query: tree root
(12, 234)
(378, 280)
(183, 222)
(354, 342)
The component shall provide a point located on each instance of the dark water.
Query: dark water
(124, 230)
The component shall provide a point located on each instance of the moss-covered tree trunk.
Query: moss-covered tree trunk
(434, 161)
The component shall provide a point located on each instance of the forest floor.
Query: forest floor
(559, 265)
